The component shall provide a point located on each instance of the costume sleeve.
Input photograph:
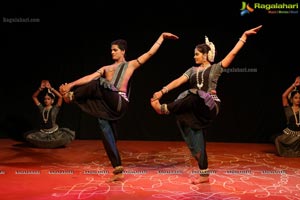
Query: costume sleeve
(188, 73)
(215, 73)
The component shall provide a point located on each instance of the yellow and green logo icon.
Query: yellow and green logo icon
(246, 9)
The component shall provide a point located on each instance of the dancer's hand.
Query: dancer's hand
(64, 88)
(167, 35)
(297, 81)
(252, 31)
(48, 85)
(43, 84)
(156, 96)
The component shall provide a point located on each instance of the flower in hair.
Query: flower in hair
(212, 51)
(51, 93)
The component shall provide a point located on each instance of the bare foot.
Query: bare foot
(202, 179)
(116, 177)
(156, 105)
(68, 97)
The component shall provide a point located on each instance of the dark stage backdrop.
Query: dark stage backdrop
(70, 40)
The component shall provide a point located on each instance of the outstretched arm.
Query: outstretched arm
(37, 92)
(172, 85)
(64, 88)
(231, 55)
(285, 101)
(146, 56)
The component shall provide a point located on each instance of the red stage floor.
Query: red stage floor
(153, 170)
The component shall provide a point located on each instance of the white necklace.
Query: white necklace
(296, 119)
(200, 85)
(46, 117)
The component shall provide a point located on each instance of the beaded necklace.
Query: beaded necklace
(47, 111)
(200, 85)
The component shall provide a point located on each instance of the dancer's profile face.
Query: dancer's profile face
(198, 57)
(117, 53)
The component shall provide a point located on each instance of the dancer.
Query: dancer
(49, 134)
(104, 94)
(197, 107)
(288, 143)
